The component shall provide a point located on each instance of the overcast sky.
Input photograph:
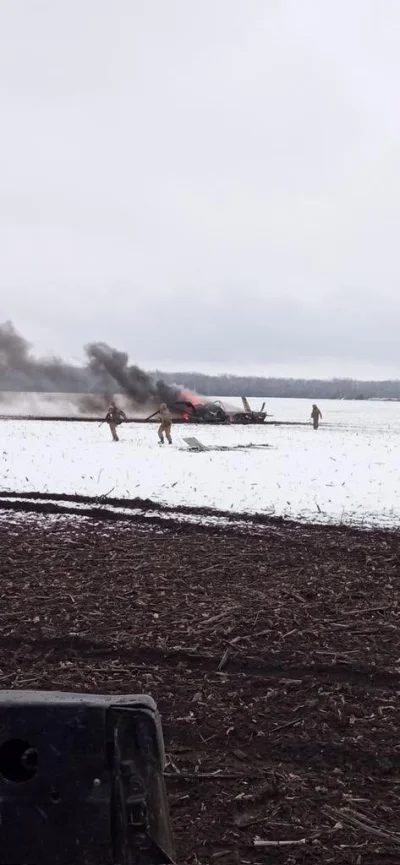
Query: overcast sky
(205, 183)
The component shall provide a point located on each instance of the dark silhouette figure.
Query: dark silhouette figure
(316, 416)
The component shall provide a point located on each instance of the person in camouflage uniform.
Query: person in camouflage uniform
(165, 425)
(114, 418)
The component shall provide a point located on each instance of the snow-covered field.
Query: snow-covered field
(348, 471)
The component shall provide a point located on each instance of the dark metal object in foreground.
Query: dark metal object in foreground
(81, 780)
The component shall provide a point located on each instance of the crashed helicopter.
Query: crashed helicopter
(215, 412)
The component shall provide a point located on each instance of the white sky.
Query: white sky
(204, 183)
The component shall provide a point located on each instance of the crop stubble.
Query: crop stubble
(271, 649)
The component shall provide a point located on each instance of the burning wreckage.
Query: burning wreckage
(189, 409)
(193, 411)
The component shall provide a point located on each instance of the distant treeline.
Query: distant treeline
(235, 385)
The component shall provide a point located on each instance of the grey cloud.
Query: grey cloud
(206, 182)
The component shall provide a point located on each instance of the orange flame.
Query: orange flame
(191, 397)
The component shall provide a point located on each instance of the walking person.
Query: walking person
(316, 416)
(114, 418)
(165, 425)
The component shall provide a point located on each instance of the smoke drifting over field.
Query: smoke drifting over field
(21, 371)
(132, 381)
(107, 372)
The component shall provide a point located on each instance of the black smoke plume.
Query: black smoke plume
(132, 381)
(107, 372)
(21, 371)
